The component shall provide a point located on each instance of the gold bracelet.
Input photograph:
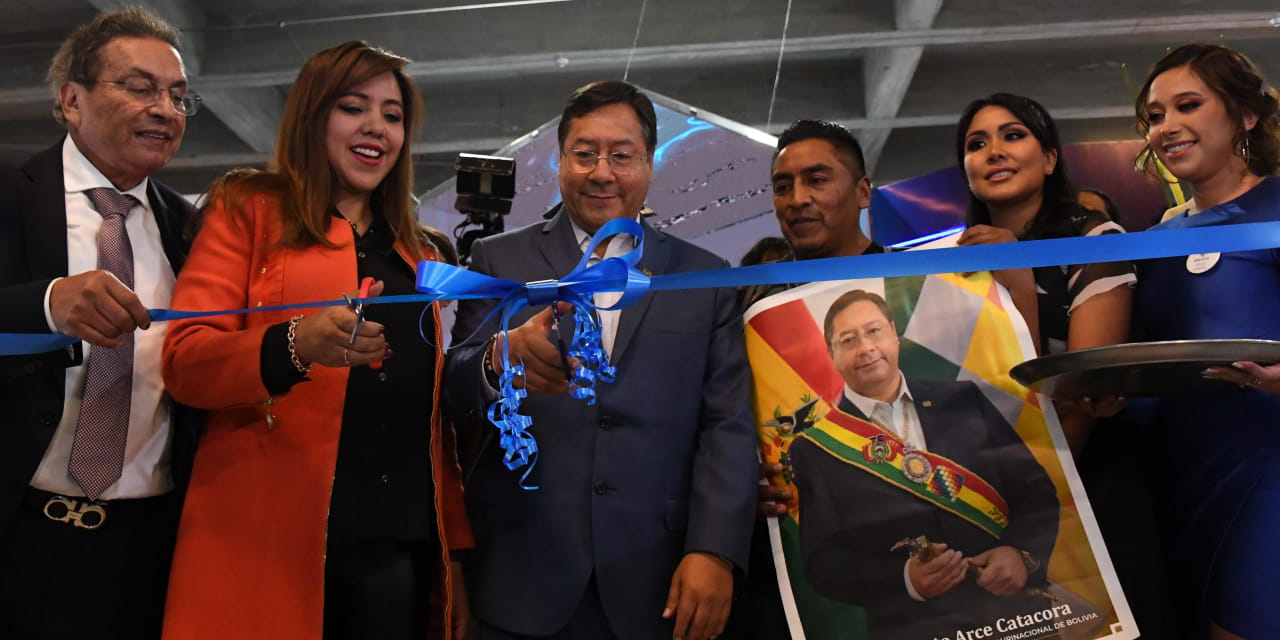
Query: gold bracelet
(293, 351)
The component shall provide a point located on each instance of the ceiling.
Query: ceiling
(898, 72)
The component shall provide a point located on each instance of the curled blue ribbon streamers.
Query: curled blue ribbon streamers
(618, 273)
(519, 447)
(593, 360)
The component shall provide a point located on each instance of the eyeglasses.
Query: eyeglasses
(146, 92)
(620, 162)
(850, 341)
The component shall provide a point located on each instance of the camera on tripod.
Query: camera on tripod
(485, 187)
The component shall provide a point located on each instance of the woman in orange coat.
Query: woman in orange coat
(325, 499)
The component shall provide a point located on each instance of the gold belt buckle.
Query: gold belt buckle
(82, 514)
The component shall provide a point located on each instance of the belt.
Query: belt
(83, 513)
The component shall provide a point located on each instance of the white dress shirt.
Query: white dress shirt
(146, 456)
(615, 247)
(900, 418)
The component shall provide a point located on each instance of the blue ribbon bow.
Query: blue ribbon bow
(577, 288)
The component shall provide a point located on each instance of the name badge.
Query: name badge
(1198, 263)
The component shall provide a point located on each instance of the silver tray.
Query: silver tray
(1140, 368)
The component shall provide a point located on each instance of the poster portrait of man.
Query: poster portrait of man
(931, 500)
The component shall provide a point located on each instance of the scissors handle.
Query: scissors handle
(560, 345)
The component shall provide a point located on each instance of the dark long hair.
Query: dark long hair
(1058, 204)
(1238, 82)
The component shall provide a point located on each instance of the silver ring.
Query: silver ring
(1255, 383)
(344, 357)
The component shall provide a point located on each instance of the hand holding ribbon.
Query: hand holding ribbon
(440, 281)
(528, 358)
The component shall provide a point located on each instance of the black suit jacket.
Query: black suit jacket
(850, 519)
(33, 251)
(662, 464)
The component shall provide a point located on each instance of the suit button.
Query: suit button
(30, 368)
(46, 420)
(385, 478)
(609, 422)
(602, 488)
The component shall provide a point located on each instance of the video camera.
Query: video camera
(485, 187)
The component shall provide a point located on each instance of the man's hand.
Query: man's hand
(534, 343)
(939, 575)
(461, 616)
(701, 591)
(96, 307)
(772, 500)
(1003, 573)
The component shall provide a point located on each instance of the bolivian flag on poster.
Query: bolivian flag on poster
(953, 512)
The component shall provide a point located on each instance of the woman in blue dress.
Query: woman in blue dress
(1208, 117)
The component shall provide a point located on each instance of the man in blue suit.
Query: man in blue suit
(645, 499)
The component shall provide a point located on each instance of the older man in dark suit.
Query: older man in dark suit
(937, 461)
(88, 242)
(645, 499)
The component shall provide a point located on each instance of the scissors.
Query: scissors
(358, 308)
(560, 346)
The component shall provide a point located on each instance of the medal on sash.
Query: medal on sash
(915, 466)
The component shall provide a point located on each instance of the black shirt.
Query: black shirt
(382, 485)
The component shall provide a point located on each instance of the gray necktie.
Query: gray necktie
(97, 452)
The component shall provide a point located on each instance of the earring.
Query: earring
(1246, 148)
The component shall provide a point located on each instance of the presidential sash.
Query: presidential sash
(933, 478)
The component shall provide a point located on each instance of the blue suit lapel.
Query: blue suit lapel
(657, 252)
(846, 405)
(559, 247)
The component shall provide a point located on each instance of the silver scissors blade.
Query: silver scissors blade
(359, 309)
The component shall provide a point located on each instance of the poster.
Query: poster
(968, 459)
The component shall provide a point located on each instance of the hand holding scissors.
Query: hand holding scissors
(326, 337)
(358, 309)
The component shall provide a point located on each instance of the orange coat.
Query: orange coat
(251, 547)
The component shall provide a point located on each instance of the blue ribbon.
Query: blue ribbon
(439, 281)
(577, 287)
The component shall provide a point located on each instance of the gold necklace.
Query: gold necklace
(355, 227)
